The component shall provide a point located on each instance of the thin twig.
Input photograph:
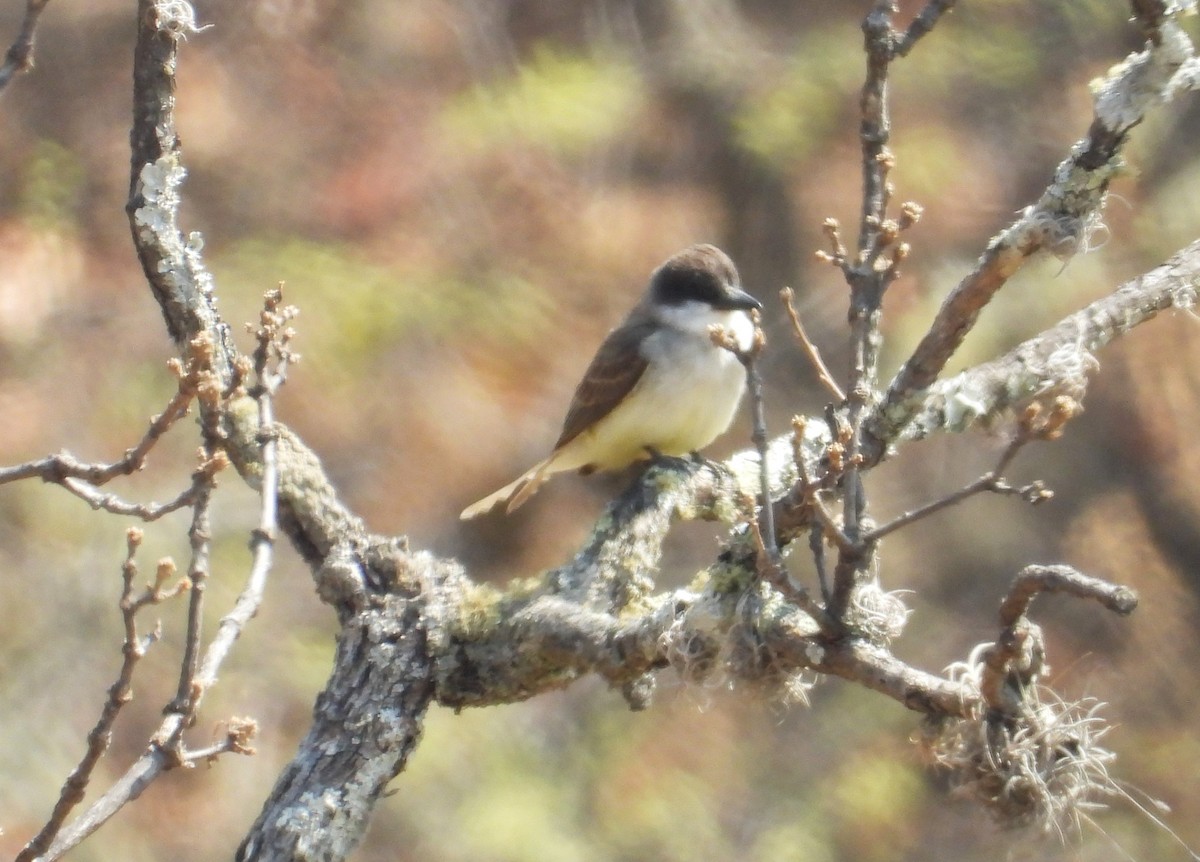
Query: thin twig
(831, 529)
(82, 479)
(1062, 579)
(238, 732)
(199, 536)
(922, 24)
(992, 480)
(119, 693)
(115, 505)
(816, 544)
(57, 468)
(770, 564)
(867, 280)
(186, 701)
(166, 751)
(810, 349)
(19, 57)
(749, 359)
(775, 573)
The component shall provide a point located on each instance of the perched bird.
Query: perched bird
(658, 384)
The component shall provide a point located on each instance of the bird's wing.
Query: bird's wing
(615, 370)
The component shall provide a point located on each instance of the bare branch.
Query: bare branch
(262, 540)
(119, 693)
(922, 24)
(199, 535)
(62, 467)
(414, 627)
(142, 511)
(989, 481)
(1062, 579)
(171, 261)
(19, 57)
(195, 380)
(198, 674)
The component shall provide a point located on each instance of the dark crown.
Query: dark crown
(700, 273)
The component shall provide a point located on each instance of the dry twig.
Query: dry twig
(810, 350)
(198, 673)
(921, 25)
(119, 693)
(19, 57)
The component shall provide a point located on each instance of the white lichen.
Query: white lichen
(177, 17)
(1043, 769)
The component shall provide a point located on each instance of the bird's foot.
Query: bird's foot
(657, 458)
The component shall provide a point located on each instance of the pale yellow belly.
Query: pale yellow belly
(673, 413)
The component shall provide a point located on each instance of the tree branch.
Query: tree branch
(171, 262)
(1067, 213)
(415, 628)
(119, 693)
(1056, 361)
(19, 57)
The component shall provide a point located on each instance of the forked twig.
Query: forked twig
(119, 693)
(992, 480)
(195, 380)
(198, 674)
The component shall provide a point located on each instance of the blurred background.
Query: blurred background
(463, 196)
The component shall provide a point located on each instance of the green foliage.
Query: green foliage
(785, 122)
(871, 789)
(367, 307)
(999, 57)
(51, 182)
(556, 100)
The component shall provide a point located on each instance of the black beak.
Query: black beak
(736, 298)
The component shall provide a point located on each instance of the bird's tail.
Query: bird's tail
(514, 494)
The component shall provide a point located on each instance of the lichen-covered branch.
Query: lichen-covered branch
(1024, 754)
(416, 630)
(365, 724)
(171, 261)
(1068, 212)
(1054, 362)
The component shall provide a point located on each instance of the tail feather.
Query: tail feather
(514, 494)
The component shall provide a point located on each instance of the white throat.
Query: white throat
(696, 317)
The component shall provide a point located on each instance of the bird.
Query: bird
(658, 384)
